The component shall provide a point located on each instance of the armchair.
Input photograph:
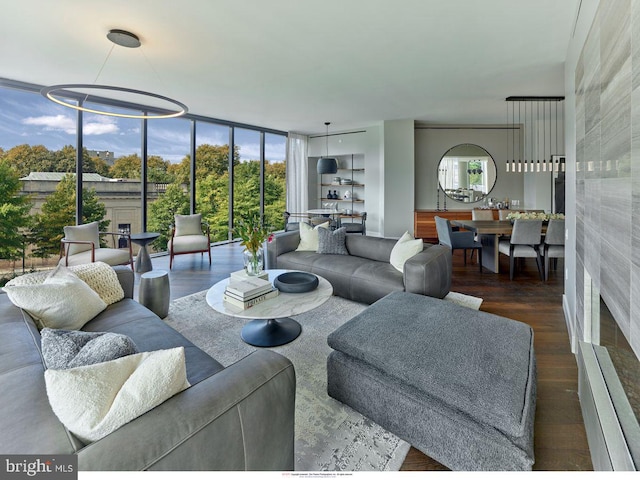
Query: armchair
(81, 244)
(188, 236)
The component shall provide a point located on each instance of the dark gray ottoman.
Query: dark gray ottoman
(457, 384)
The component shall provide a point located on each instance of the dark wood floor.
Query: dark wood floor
(560, 438)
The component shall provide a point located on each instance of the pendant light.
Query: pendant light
(327, 164)
(65, 94)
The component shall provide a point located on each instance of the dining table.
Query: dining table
(489, 233)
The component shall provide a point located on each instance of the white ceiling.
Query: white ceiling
(291, 65)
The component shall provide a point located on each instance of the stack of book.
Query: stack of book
(248, 292)
(243, 275)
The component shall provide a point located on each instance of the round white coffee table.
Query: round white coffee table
(271, 325)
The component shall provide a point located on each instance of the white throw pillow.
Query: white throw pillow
(87, 233)
(188, 224)
(62, 301)
(405, 248)
(98, 275)
(94, 400)
(309, 237)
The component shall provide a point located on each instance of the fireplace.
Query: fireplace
(609, 387)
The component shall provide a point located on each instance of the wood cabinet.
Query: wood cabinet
(424, 224)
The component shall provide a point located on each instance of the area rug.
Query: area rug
(329, 436)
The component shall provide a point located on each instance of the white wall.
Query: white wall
(432, 142)
(399, 171)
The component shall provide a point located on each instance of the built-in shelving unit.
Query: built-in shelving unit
(351, 196)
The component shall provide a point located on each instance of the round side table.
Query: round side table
(143, 261)
(154, 292)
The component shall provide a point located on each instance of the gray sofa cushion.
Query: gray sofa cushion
(63, 349)
(332, 242)
(149, 333)
(374, 248)
(473, 361)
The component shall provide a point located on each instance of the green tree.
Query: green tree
(161, 213)
(127, 166)
(30, 158)
(14, 213)
(210, 159)
(59, 211)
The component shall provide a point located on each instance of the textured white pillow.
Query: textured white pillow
(62, 301)
(309, 237)
(405, 248)
(98, 275)
(94, 400)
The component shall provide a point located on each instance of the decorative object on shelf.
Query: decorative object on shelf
(347, 195)
(538, 133)
(335, 195)
(327, 164)
(253, 233)
(296, 282)
(62, 93)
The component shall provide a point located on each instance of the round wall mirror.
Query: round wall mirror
(467, 173)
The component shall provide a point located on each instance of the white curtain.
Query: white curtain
(297, 173)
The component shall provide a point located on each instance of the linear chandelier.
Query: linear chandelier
(61, 93)
(531, 146)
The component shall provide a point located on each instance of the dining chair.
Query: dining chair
(81, 244)
(189, 234)
(481, 214)
(292, 220)
(460, 240)
(553, 245)
(355, 227)
(524, 243)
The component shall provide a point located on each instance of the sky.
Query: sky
(32, 119)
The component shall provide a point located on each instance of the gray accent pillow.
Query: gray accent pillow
(64, 349)
(332, 242)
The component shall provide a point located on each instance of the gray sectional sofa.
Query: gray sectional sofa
(365, 275)
(235, 418)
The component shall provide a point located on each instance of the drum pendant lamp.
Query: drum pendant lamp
(327, 164)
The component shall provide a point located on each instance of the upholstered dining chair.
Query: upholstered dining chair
(524, 243)
(81, 244)
(481, 214)
(553, 246)
(460, 240)
(189, 234)
(356, 227)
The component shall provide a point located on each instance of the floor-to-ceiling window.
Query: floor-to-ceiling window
(112, 149)
(246, 174)
(38, 143)
(168, 177)
(212, 177)
(37, 146)
(275, 194)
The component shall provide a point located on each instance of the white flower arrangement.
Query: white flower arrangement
(535, 216)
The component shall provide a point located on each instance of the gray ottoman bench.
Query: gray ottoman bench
(456, 383)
